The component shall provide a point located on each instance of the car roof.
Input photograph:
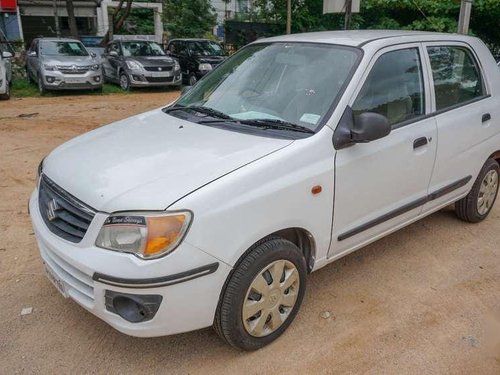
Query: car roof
(358, 38)
(59, 39)
(192, 40)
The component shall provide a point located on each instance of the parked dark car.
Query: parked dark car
(139, 63)
(196, 56)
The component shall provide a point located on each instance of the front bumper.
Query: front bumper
(154, 79)
(56, 80)
(189, 297)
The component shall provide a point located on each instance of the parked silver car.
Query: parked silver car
(62, 64)
(140, 63)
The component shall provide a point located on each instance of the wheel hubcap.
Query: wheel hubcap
(270, 298)
(487, 192)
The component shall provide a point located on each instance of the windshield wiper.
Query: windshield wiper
(200, 109)
(277, 124)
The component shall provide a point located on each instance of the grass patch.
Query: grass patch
(22, 89)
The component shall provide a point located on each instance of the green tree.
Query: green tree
(430, 15)
(189, 18)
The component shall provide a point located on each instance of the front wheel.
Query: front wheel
(262, 296)
(192, 79)
(476, 206)
(41, 88)
(6, 95)
(124, 82)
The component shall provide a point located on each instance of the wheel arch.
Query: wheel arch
(496, 156)
(300, 237)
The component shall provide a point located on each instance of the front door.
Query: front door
(384, 184)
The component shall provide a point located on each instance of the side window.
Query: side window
(456, 76)
(394, 87)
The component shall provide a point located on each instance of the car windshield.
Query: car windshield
(205, 48)
(136, 49)
(59, 48)
(278, 83)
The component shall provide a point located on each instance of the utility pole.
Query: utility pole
(464, 19)
(56, 18)
(348, 14)
(288, 16)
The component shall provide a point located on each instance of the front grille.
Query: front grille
(158, 68)
(79, 285)
(73, 69)
(63, 214)
(159, 79)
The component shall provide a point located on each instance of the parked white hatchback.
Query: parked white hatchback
(291, 154)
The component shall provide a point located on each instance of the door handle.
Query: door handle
(419, 142)
(486, 117)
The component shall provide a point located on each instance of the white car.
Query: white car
(5, 74)
(294, 152)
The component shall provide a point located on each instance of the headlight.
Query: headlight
(146, 235)
(176, 65)
(134, 65)
(205, 67)
(95, 67)
(49, 67)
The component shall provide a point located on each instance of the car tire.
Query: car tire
(6, 95)
(124, 82)
(41, 88)
(254, 308)
(476, 205)
(192, 79)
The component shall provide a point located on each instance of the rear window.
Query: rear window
(457, 78)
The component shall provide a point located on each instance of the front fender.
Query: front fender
(268, 195)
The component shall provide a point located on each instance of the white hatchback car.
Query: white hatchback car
(291, 154)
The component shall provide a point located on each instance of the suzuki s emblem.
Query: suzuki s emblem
(73, 67)
(52, 207)
(160, 69)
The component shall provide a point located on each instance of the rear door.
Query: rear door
(383, 184)
(464, 115)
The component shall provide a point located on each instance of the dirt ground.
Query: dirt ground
(425, 300)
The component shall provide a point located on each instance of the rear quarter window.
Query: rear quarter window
(456, 74)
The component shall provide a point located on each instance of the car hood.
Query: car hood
(149, 161)
(68, 60)
(153, 60)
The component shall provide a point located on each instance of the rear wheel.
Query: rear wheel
(262, 296)
(476, 206)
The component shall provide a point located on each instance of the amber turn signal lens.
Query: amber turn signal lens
(163, 232)
(316, 189)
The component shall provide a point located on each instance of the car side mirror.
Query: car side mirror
(7, 55)
(363, 128)
(185, 89)
(32, 54)
(93, 54)
(370, 126)
(168, 53)
(113, 54)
